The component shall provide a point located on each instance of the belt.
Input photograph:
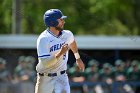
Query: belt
(52, 74)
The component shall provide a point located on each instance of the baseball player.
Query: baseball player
(53, 45)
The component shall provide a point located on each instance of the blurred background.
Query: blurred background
(107, 33)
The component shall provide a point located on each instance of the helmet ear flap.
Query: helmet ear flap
(51, 22)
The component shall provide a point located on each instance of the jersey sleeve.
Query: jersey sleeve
(43, 48)
(70, 38)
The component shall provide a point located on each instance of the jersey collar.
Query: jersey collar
(60, 34)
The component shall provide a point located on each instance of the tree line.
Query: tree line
(85, 17)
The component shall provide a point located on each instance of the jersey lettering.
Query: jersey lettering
(56, 47)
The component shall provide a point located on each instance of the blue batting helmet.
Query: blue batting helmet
(51, 16)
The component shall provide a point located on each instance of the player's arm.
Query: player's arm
(47, 62)
(79, 62)
(52, 60)
(45, 58)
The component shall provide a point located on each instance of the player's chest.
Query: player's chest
(56, 44)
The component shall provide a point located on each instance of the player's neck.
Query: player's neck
(54, 31)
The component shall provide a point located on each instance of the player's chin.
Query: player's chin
(62, 26)
(59, 28)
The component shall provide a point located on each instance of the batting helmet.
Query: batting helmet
(51, 16)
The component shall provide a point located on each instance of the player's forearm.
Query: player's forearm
(73, 47)
(57, 56)
(79, 62)
(49, 62)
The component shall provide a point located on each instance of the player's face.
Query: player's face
(60, 26)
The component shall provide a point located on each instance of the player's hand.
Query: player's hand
(63, 50)
(80, 64)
